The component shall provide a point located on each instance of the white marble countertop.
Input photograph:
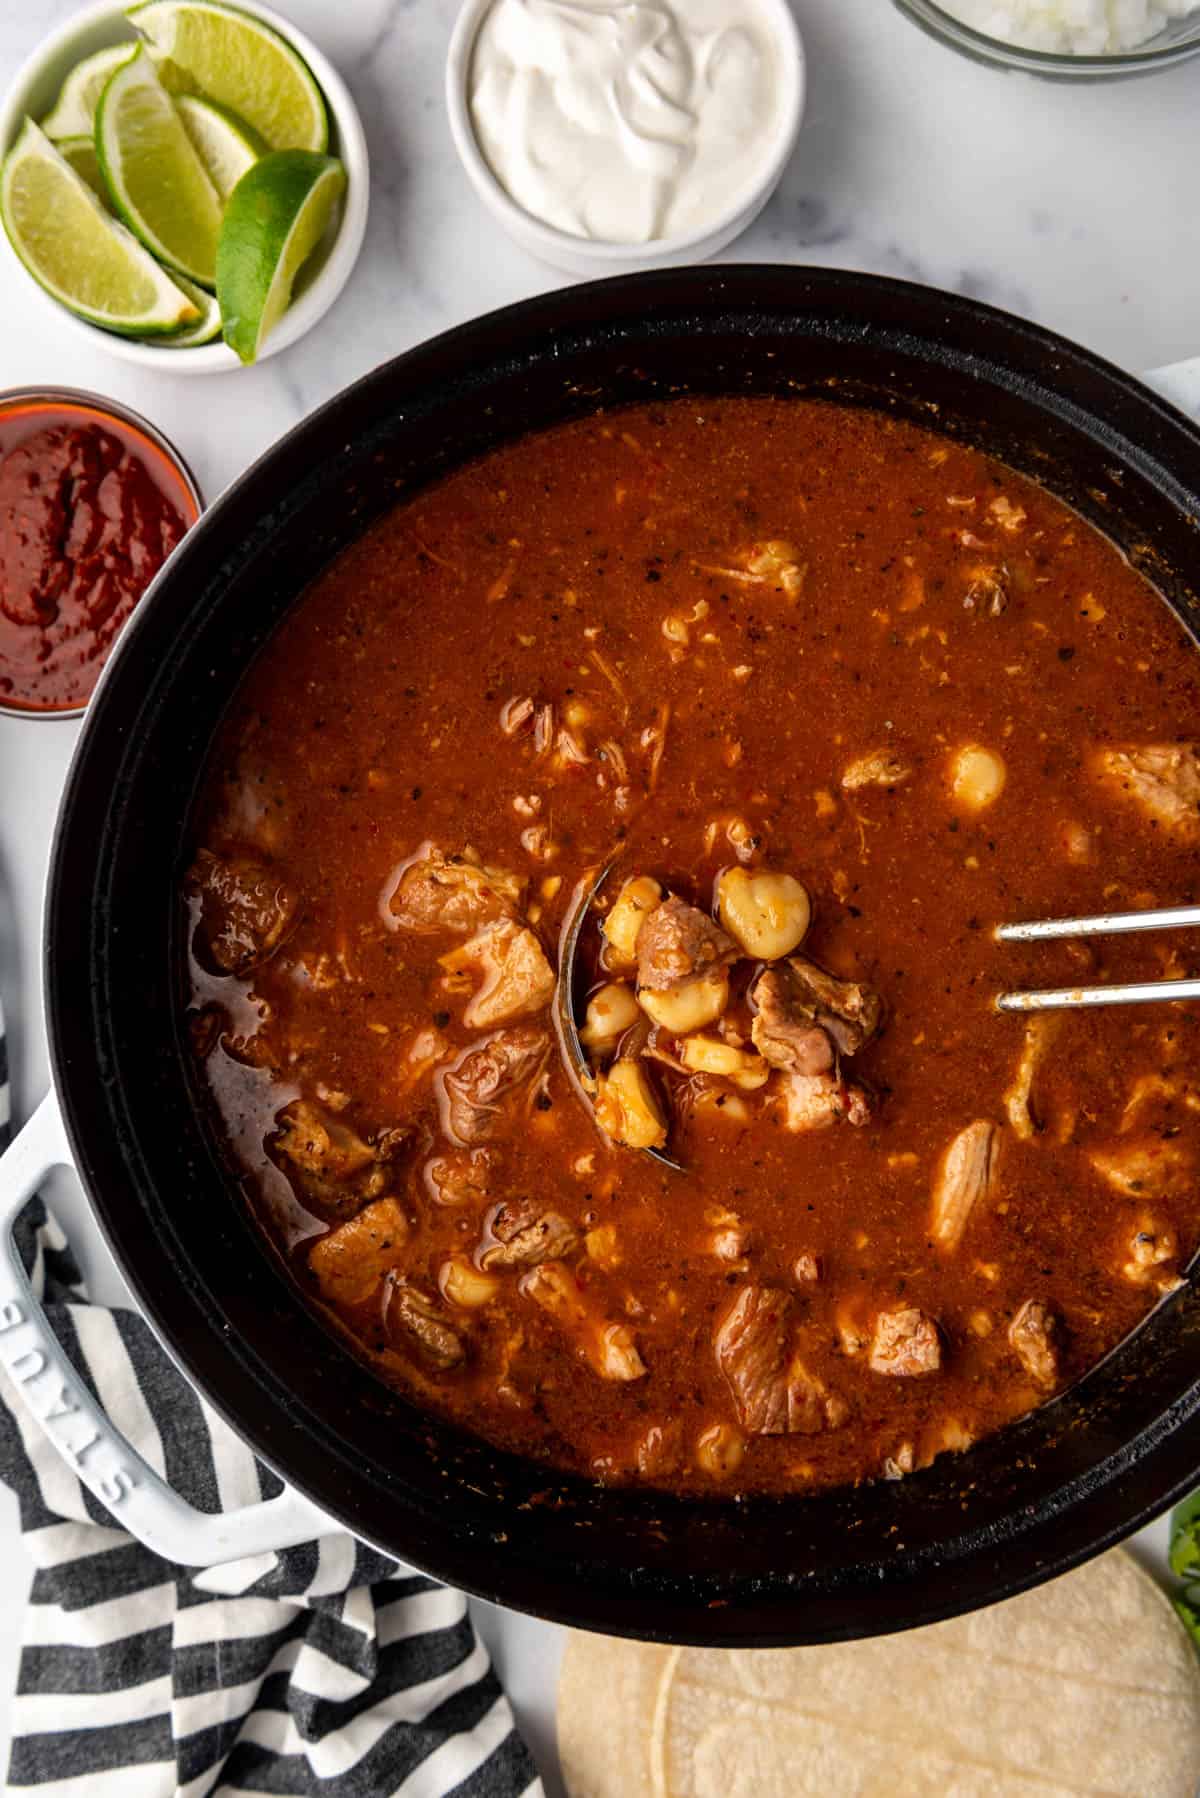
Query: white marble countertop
(1073, 206)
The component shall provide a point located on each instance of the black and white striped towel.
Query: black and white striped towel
(318, 1670)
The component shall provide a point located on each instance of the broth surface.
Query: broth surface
(710, 635)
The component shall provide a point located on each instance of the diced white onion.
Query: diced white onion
(1073, 27)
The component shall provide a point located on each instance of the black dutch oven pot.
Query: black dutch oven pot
(1028, 1502)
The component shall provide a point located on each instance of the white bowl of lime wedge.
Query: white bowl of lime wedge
(254, 234)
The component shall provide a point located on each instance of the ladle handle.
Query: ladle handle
(96, 1452)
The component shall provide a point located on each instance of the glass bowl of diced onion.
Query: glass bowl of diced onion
(1065, 39)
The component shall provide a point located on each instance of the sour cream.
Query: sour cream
(626, 120)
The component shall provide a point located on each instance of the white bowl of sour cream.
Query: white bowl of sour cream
(611, 135)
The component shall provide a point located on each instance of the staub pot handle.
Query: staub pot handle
(140, 1501)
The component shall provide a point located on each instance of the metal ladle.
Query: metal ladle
(1146, 992)
(563, 1010)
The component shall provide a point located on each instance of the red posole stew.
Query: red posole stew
(835, 696)
(90, 509)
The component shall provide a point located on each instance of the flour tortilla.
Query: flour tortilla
(1085, 1688)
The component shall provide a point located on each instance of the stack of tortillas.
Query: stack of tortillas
(1085, 1686)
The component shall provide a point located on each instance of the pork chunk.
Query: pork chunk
(332, 1165)
(774, 1394)
(1150, 1167)
(246, 911)
(350, 1261)
(1040, 1033)
(815, 1101)
(987, 590)
(472, 1092)
(608, 1347)
(510, 964)
(521, 1233)
(783, 1029)
(728, 1236)
(1153, 1253)
(798, 1002)
(676, 943)
(319, 1145)
(1162, 779)
(1171, 1089)
(775, 563)
(849, 1011)
(419, 1325)
(1031, 1336)
(963, 1179)
(811, 1405)
(440, 892)
(460, 1177)
(753, 1345)
(905, 1344)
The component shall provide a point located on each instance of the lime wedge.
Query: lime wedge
(241, 64)
(80, 255)
(157, 182)
(226, 147)
(205, 330)
(80, 152)
(74, 112)
(275, 218)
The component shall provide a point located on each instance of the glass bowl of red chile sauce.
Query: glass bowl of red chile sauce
(92, 502)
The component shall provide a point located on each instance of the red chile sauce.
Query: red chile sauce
(90, 509)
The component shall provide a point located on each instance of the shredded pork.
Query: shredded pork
(964, 1178)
